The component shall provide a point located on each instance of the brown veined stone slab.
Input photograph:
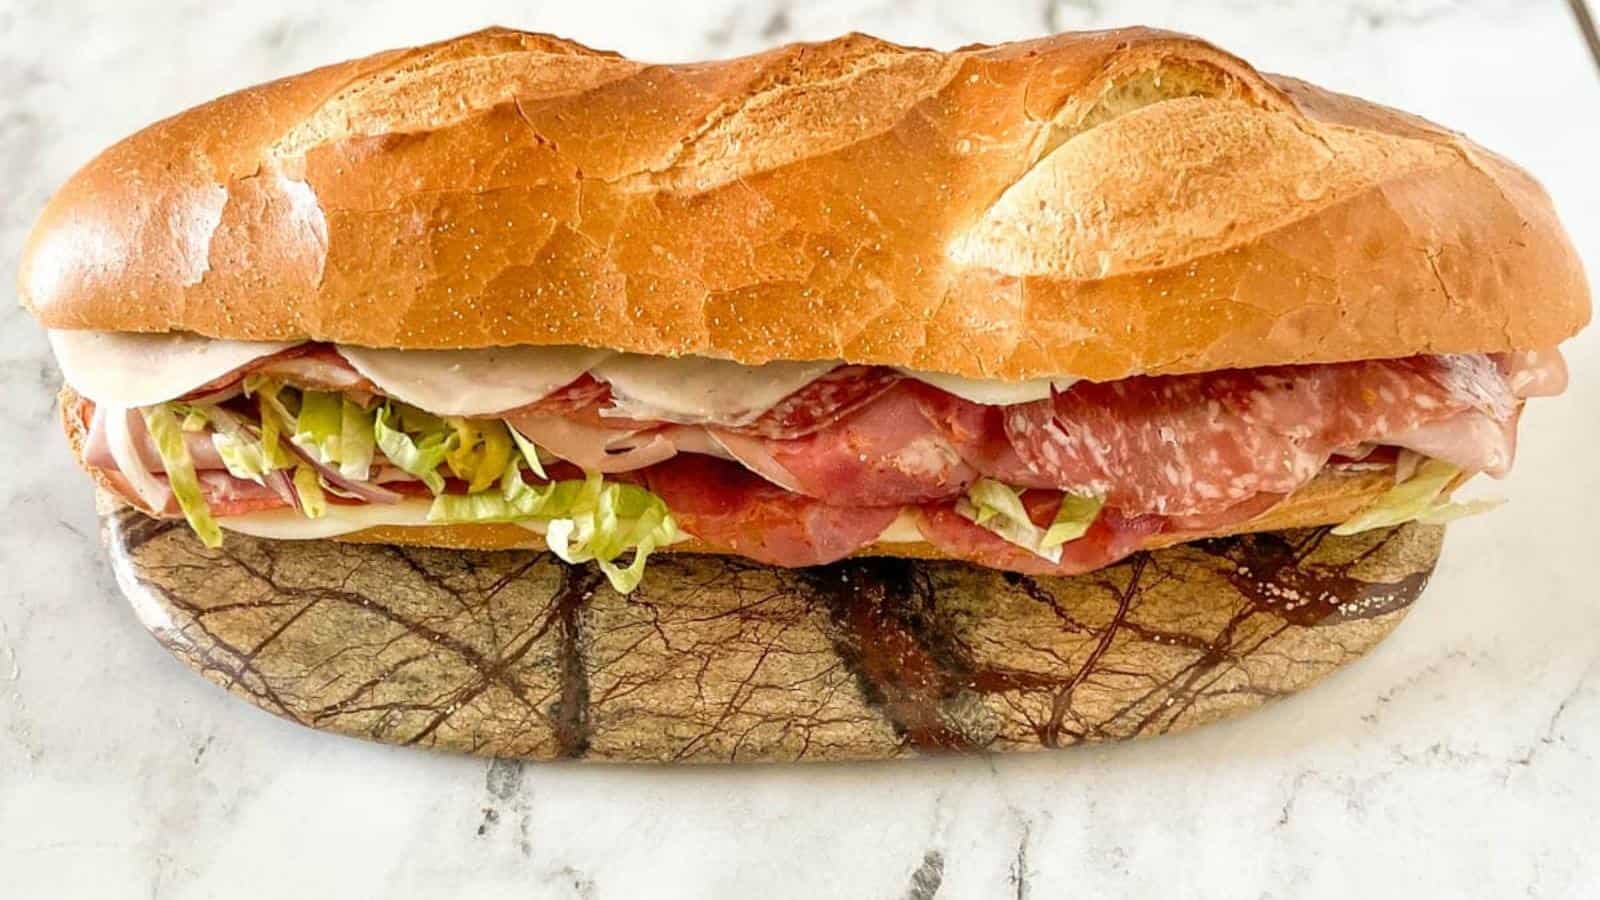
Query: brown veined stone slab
(515, 653)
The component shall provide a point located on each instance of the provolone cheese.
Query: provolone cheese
(125, 369)
(699, 391)
(903, 530)
(472, 382)
(990, 392)
(292, 525)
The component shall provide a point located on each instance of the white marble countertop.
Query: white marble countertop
(1460, 759)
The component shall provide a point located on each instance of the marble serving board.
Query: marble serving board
(517, 654)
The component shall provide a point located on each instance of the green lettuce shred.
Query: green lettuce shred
(421, 456)
(277, 421)
(313, 502)
(1416, 499)
(1073, 519)
(357, 440)
(530, 453)
(320, 425)
(243, 454)
(998, 507)
(589, 520)
(167, 432)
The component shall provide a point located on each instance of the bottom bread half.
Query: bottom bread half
(715, 659)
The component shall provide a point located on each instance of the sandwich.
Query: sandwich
(1034, 307)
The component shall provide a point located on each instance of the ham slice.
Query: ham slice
(319, 367)
(97, 449)
(225, 495)
(315, 366)
(884, 454)
(595, 448)
(726, 506)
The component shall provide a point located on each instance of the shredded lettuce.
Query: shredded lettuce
(529, 451)
(589, 520)
(320, 425)
(1073, 519)
(420, 457)
(1416, 499)
(277, 421)
(999, 508)
(357, 441)
(482, 450)
(991, 498)
(313, 502)
(242, 453)
(168, 434)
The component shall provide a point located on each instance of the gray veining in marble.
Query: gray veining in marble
(1458, 760)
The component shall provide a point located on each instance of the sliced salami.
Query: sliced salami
(726, 506)
(1198, 444)
(978, 432)
(586, 394)
(822, 402)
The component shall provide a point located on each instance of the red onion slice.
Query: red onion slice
(346, 487)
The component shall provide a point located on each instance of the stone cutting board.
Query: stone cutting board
(516, 654)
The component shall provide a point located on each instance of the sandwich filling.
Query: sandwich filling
(611, 456)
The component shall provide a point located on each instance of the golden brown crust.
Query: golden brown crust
(1334, 496)
(1099, 204)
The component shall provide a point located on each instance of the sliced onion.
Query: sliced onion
(119, 437)
(283, 485)
(346, 487)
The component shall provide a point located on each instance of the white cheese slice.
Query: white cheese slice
(126, 369)
(292, 525)
(990, 392)
(700, 391)
(472, 382)
(903, 530)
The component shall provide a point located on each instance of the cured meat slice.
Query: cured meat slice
(586, 394)
(1195, 444)
(1534, 373)
(821, 403)
(726, 506)
(978, 433)
(884, 454)
(317, 366)
(1111, 537)
(97, 449)
(225, 495)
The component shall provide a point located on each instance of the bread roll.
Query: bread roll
(1096, 205)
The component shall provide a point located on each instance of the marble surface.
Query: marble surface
(1457, 760)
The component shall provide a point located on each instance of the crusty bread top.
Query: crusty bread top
(1098, 204)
